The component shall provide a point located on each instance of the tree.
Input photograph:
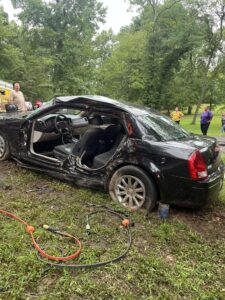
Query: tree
(169, 40)
(121, 74)
(60, 33)
(10, 55)
(185, 39)
(211, 14)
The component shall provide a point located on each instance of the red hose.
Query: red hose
(30, 230)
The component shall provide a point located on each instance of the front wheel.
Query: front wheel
(4, 147)
(133, 188)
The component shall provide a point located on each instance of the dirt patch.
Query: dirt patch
(210, 224)
(7, 168)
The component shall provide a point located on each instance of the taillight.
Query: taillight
(197, 166)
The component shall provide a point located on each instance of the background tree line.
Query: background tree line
(172, 53)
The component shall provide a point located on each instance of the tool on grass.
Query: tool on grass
(124, 221)
(30, 230)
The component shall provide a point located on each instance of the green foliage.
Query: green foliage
(177, 56)
(56, 46)
(169, 40)
(214, 128)
(10, 56)
(121, 76)
(171, 54)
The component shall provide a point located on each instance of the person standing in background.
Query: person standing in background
(176, 115)
(223, 122)
(38, 103)
(206, 118)
(17, 98)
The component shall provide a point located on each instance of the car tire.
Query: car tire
(133, 188)
(4, 147)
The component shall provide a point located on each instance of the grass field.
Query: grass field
(183, 258)
(214, 128)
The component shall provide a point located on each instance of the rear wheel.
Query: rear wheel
(4, 147)
(133, 188)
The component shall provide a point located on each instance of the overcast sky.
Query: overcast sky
(117, 15)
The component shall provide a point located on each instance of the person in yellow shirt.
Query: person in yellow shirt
(176, 115)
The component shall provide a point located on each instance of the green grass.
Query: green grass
(214, 128)
(183, 258)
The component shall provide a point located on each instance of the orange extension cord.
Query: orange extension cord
(30, 230)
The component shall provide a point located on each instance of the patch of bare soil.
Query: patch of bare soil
(7, 168)
(209, 223)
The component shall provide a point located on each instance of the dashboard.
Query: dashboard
(45, 129)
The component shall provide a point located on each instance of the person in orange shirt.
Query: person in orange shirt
(176, 115)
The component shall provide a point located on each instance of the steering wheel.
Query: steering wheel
(62, 124)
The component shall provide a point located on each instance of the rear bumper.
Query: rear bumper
(195, 194)
(207, 191)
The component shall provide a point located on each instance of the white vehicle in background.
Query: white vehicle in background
(29, 105)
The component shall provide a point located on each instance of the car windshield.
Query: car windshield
(163, 127)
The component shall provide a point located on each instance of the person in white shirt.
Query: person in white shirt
(17, 98)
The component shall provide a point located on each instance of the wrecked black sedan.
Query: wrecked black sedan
(139, 156)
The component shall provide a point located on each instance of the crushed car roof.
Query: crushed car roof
(107, 101)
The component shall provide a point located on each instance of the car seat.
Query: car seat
(85, 148)
(61, 152)
(112, 136)
(96, 120)
(109, 137)
(88, 143)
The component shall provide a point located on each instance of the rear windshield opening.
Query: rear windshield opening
(163, 127)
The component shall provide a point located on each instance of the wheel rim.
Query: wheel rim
(130, 191)
(2, 146)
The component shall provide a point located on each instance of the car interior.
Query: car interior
(91, 138)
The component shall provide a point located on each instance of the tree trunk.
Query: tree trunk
(210, 104)
(189, 110)
(202, 96)
(196, 112)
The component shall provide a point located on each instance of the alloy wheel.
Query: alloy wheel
(2, 146)
(130, 191)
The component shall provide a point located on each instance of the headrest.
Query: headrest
(112, 131)
(96, 120)
(115, 121)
